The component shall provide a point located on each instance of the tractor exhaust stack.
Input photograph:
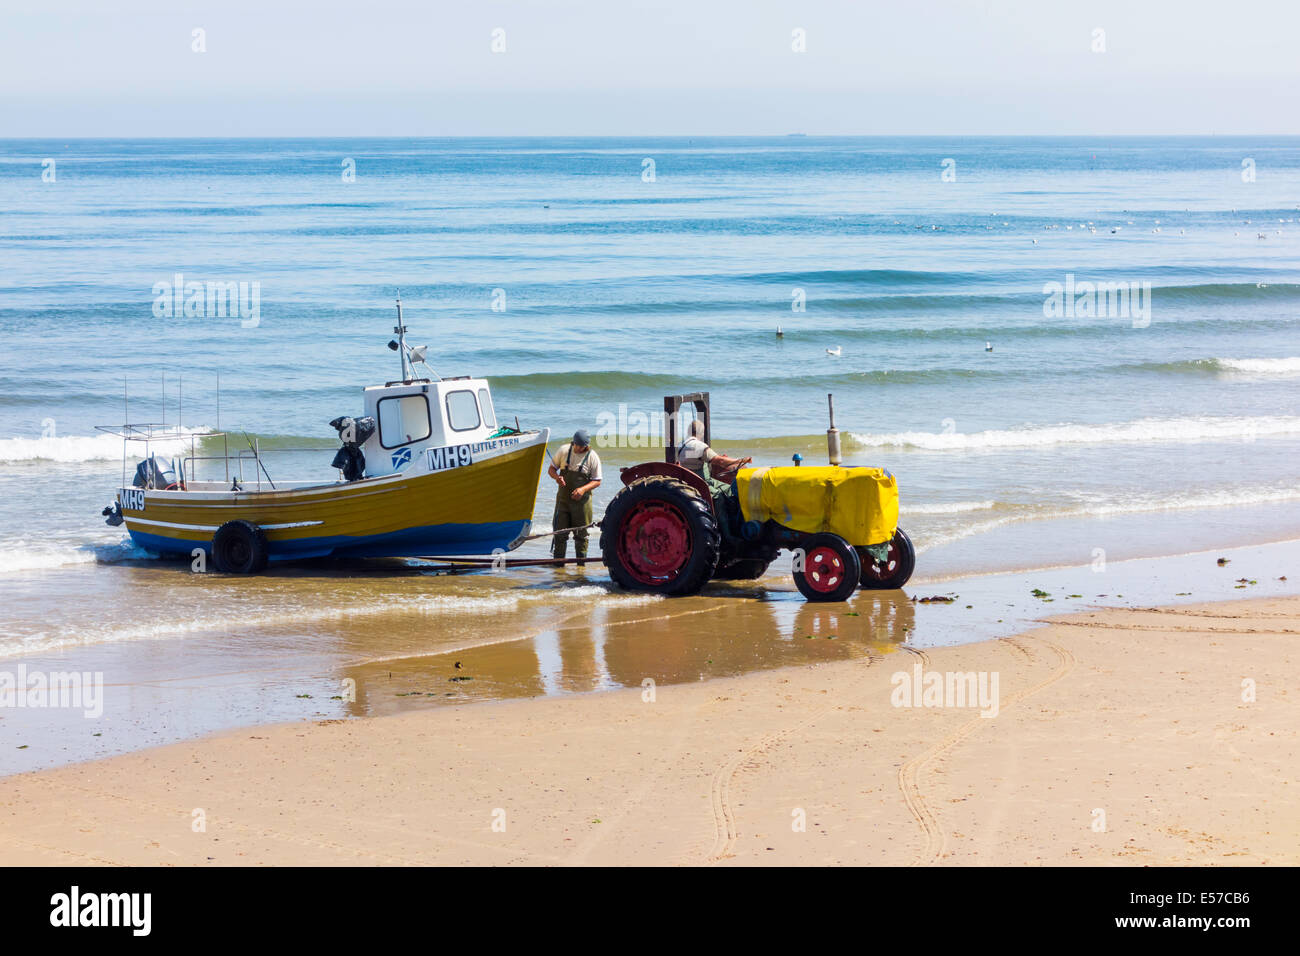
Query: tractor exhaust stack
(832, 434)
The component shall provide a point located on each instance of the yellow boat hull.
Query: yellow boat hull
(476, 509)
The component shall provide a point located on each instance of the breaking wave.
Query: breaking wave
(75, 448)
(1258, 366)
(1140, 431)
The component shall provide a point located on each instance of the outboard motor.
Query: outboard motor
(353, 432)
(153, 474)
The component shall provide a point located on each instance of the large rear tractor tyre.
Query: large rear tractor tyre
(239, 547)
(659, 535)
(895, 570)
(831, 568)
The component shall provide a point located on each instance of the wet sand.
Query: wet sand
(1122, 736)
(191, 655)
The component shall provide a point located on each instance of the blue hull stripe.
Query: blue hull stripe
(439, 539)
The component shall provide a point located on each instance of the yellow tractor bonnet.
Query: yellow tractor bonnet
(858, 504)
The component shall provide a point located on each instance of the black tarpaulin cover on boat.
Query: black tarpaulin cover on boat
(353, 432)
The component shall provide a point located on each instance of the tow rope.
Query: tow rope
(473, 564)
(551, 534)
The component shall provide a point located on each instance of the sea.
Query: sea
(1067, 350)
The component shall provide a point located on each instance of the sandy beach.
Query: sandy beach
(1142, 736)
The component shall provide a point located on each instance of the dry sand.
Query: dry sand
(1123, 738)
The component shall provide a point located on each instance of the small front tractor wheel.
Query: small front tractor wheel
(659, 535)
(897, 567)
(239, 547)
(831, 568)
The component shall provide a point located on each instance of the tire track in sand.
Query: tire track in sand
(724, 815)
(909, 775)
(911, 790)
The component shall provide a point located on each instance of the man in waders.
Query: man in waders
(576, 469)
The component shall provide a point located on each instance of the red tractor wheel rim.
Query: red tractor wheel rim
(824, 569)
(883, 569)
(654, 542)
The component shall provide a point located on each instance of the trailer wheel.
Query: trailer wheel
(659, 535)
(239, 547)
(831, 568)
(897, 567)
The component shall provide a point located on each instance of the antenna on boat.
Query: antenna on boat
(400, 331)
(408, 355)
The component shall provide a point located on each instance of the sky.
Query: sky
(628, 67)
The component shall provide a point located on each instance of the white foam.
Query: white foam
(951, 508)
(1140, 431)
(39, 558)
(966, 531)
(1222, 498)
(298, 615)
(1204, 499)
(1262, 366)
(20, 555)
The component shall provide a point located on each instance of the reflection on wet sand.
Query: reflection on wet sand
(722, 633)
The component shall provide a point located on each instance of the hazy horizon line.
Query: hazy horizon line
(625, 136)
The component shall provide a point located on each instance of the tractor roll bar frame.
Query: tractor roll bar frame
(673, 405)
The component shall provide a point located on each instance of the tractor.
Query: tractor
(667, 532)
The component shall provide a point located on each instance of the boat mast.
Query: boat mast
(126, 424)
(400, 331)
(225, 444)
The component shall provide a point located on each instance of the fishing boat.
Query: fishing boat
(425, 470)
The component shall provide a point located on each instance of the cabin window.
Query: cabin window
(462, 410)
(403, 419)
(485, 403)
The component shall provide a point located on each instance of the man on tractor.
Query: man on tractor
(717, 470)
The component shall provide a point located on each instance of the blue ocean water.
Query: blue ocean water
(590, 277)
